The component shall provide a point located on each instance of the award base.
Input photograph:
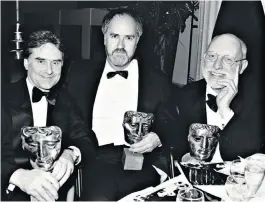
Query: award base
(131, 160)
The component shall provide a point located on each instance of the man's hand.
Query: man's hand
(37, 183)
(225, 96)
(64, 166)
(147, 144)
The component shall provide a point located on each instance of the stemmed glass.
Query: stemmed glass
(192, 194)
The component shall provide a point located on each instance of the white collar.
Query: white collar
(30, 88)
(130, 68)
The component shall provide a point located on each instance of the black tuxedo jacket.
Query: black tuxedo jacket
(153, 89)
(242, 136)
(17, 112)
(85, 77)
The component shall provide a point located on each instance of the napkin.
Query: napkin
(150, 190)
(216, 190)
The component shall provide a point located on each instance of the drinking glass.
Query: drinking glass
(237, 170)
(235, 184)
(245, 179)
(254, 175)
(236, 188)
(192, 194)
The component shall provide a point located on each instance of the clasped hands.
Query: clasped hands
(44, 186)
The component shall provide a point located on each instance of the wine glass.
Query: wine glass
(191, 194)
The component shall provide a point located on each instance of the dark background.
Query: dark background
(243, 18)
(158, 24)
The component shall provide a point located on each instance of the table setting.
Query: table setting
(197, 178)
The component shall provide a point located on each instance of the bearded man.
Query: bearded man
(117, 84)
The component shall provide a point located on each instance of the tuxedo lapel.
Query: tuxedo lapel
(140, 87)
(239, 102)
(95, 75)
(18, 103)
(145, 102)
(198, 107)
(199, 110)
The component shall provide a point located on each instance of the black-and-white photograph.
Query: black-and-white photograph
(132, 100)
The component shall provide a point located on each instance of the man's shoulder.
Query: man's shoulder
(189, 93)
(88, 63)
(12, 91)
(190, 87)
(85, 70)
(13, 85)
(61, 93)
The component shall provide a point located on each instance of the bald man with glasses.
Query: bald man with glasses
(217, 99)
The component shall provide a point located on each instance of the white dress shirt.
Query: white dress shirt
(39, 112)
(114, 97)
(214, 118)
(39, 109)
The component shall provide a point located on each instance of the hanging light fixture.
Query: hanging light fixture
(16, 43)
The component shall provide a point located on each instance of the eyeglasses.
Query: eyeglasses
(226, 60)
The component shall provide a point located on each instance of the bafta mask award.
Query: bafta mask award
(136, 125)
(44, 145)
(203, 140)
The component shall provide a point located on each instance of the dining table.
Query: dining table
(210, 180)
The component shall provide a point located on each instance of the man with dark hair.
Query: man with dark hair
(35, 101)
(217, 100)
(117, 84)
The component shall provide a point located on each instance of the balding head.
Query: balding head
(225, 59)
(230, 39)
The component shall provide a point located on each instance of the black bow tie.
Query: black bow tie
(37, 94)
(211, 102)
(124, 74)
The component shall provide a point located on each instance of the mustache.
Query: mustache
(119, 50)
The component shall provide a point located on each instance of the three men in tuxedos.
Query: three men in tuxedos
(22, 107)
(235, 111)
(115, 85)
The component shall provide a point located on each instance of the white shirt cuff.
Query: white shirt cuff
(223, 121)
(10, 188)
(14, 178)
(77, 153)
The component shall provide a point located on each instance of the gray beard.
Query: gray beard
(119, 62)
